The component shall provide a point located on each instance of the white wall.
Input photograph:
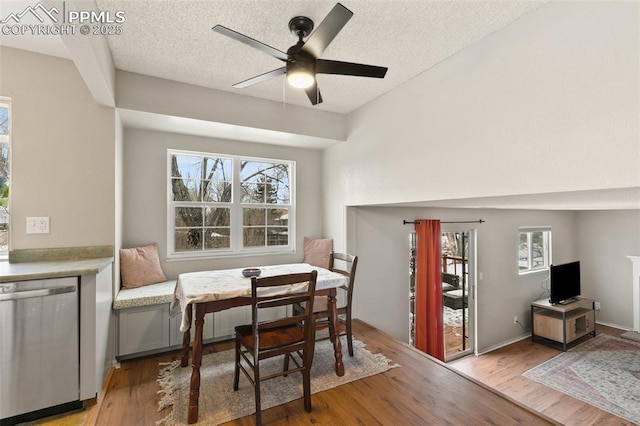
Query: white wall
(62, 153)
(605, 239)
(382, 244)
(548, 104)
(145, 193)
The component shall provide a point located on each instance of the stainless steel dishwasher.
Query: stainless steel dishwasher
(39, 346)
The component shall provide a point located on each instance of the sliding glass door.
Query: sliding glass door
(458, 289)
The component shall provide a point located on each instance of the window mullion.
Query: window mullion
(530, 250)
(236, 208)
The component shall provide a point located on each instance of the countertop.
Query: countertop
(23, 271)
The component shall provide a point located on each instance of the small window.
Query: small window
(5, 138)
(534, 249)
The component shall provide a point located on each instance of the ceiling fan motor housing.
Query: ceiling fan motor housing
(301, 26)
(301, 66)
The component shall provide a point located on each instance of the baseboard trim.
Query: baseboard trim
(502, 344)
(608, 324)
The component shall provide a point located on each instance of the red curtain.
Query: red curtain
(429, 336)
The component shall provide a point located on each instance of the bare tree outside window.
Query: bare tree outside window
(265, 185)
(198, 185)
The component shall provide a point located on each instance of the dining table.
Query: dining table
(216, 290)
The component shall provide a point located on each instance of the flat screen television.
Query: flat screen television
(564, 282)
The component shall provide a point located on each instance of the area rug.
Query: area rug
(219, 403)
(603, 371)
(631, 335)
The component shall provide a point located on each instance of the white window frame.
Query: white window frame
(236, 248)
(6, 102)
(547, 252)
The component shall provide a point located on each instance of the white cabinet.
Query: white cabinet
(175, 337)
(143, 329)
(148, 329)
(225, 321)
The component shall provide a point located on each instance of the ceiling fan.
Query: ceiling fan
(301, 59)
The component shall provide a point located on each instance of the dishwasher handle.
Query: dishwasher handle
(43, 292)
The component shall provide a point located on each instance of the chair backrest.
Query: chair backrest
(346, 265)
(278, 291)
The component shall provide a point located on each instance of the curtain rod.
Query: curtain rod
(406, 222)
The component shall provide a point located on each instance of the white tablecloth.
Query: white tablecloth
(205, 286)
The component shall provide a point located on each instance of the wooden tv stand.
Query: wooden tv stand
(563, 323)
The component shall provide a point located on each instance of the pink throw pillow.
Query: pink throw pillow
(140, 266)
(318, 252)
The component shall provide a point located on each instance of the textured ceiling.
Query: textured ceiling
(173, 40)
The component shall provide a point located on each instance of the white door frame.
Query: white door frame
(472, 266)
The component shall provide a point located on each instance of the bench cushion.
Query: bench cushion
(154, 294)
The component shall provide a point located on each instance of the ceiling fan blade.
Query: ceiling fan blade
(314, 94)
(260, 78)
(327, 30)
(348, 68)
(271, 51)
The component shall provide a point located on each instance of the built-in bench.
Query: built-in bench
(144, 324)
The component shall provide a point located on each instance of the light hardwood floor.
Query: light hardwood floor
(488, 389)
(421, 391)
(502, 370)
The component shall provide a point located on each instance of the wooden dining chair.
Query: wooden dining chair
(291, 336)
(345, 264)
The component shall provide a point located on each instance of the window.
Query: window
(228, 205)
(534, 249)
(5, 138)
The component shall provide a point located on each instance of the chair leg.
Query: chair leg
(256, 387)
(236, 371)
(331, 330)
(306, 386)
(349, 335)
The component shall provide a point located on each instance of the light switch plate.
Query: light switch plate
(38, 225)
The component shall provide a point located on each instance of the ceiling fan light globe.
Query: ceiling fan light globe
(300, 79)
